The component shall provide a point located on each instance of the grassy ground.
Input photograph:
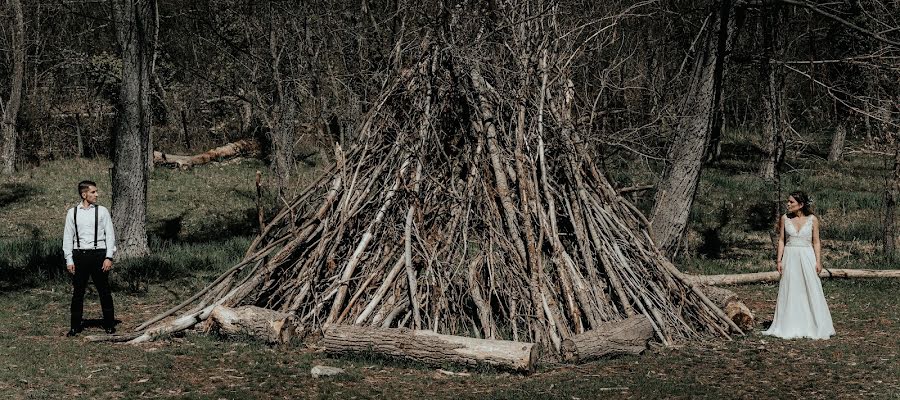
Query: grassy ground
(202, 220)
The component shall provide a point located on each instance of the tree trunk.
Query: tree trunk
(629, 336)
(273, 327)
(11, 111)
(282, 135)
(773, 129)
(134, 29)
(431, 348)
(837, 143)
(698, 112)
(774, 126)
(891, 196)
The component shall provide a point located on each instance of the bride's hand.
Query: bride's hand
(779, 266)
(818, 267)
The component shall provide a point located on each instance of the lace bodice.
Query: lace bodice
(798, 237)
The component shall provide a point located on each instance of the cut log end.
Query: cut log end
(733, 307)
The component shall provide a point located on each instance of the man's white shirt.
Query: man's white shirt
(106, 236)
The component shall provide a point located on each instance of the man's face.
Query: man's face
(90, 195)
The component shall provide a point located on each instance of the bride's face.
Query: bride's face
(793, 205)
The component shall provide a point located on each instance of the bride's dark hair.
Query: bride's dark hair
(803, 198)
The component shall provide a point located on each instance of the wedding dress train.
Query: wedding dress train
(801, 310)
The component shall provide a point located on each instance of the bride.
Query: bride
(801, 310)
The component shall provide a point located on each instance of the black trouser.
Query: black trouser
(89, 264)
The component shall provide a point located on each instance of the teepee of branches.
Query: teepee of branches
(469, 205)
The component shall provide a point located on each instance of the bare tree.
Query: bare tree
(134, 29)
(891, 196)
(697, 117)
(10, 110)
(774, 125)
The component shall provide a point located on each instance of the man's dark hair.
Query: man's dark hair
(83, 186)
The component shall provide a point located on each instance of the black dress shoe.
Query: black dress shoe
(110, 330)
(73, 332)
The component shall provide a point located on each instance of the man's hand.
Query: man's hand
(107, 265)
(71, 268)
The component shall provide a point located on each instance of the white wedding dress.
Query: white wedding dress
(801, 310)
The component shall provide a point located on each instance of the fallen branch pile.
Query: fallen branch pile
(470, 206)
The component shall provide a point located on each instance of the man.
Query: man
(89, 244)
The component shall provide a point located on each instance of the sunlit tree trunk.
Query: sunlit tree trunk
(696, 121)
(134, 29)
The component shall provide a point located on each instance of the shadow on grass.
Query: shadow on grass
(11, 193)
(27, 263)
(38, 261)
(172, 230)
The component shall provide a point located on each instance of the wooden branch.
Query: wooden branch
(112, 338)
(774, 276)
(234, 149)
(431, 348)
(628, 336)
(637, 188)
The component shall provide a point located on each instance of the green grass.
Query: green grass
(36, 361)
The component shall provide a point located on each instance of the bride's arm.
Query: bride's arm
(780, 243)
(817, 244)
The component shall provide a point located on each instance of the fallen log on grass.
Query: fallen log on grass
(271, 326)
(733, 306)
(240, 147)
(429, 347)
(629, 336)
(774, 276)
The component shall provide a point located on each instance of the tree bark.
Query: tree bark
(836, 153)
(273, 327)
(697, 114)
(431, 348)
(134, 29)
(629, 336)
(11, 111)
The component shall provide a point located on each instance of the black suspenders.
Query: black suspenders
(96, 225)
(75, 220)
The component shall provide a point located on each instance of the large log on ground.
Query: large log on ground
(733, 306)
(774, 276)
(243, 146)
(431, 348)
(262, 323)
(628, 336)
